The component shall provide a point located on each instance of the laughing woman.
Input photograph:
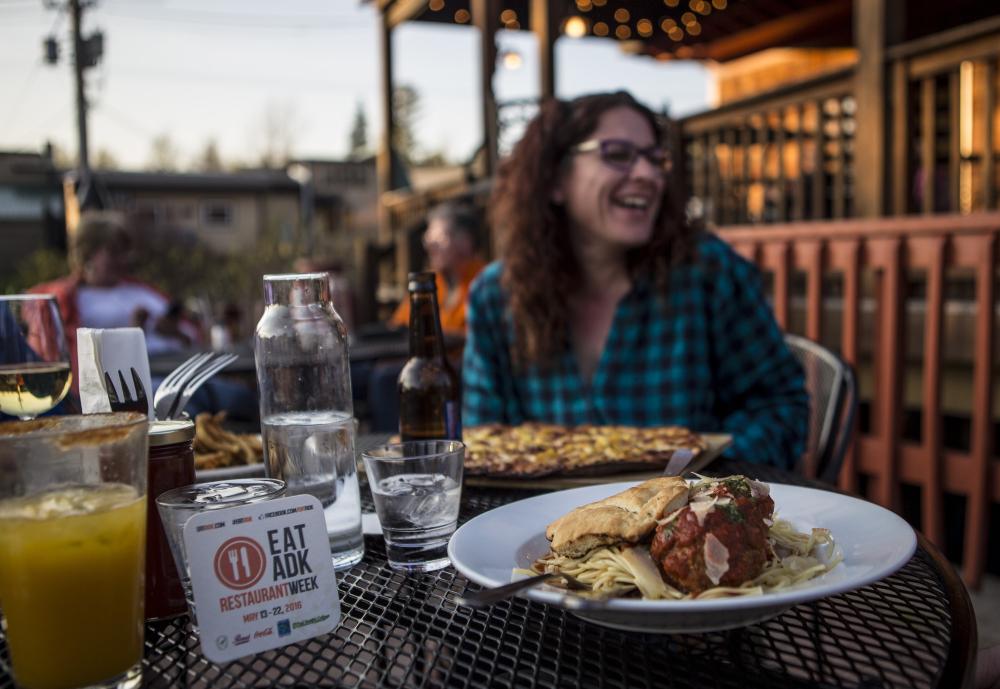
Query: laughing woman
(608, 307)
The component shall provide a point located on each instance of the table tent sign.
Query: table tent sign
(261, 576)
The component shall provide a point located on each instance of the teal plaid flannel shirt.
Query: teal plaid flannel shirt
(706, 353)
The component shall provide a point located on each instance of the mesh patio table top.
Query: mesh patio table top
(913, 629)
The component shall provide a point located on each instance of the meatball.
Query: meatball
(719, 539)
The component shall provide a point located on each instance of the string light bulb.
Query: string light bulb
(436, 5)
(462, 16)
(508, 16)
(621, 15)
(623, 32)
(601, 29)
(644, 27)
(575, 27)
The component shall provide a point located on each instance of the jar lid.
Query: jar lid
(218, 494)
(170, 432)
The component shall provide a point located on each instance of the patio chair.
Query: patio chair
(833, 402)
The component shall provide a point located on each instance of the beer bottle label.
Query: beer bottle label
(452, 420)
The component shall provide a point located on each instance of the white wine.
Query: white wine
(30, 389)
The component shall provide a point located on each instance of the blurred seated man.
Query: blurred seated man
(451, 241)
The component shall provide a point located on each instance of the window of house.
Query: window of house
(219, 213)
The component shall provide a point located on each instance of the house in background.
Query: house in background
(31, 211)
(320, 207)
(225, 211)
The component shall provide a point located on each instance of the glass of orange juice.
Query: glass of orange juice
(72, 549)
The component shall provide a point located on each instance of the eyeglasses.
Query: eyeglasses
(621, 154)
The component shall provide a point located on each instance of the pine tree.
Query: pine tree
(359, 134)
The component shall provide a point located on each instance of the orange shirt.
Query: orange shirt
(452, 310)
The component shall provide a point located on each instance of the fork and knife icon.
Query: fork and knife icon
(239, 559)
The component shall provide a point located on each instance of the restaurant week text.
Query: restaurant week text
(289, 566)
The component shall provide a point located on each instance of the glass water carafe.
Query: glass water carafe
(306, 410)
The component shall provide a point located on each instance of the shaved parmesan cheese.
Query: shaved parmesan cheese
(758, 489)
(716, 558)
(670, 517)
(646, 573)
(701, 509)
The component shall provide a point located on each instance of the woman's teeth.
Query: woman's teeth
(636, 202)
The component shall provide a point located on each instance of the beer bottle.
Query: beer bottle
(429, 404)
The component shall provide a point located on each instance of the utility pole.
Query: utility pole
(81, 97)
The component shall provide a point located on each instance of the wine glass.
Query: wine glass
(34, 362)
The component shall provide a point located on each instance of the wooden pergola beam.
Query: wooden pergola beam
(545, 19)
(485, 15)
(774, 32)
(870, 145)
(403, 11)
(385, 162)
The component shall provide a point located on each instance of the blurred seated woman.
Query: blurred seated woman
(98, 292)
(608, 306)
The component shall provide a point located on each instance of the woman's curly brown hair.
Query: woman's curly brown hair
(540, 269)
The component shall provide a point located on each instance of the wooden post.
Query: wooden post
(928, 139)
(385, 163)
(989, 156)
(545, 25)
(902, 171)
(486, 16)
(870, 142)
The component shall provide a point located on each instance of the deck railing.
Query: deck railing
(789, 154)
(875, 262)
(944, 121)
(784, 155)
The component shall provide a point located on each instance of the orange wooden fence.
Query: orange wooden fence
(891, 249)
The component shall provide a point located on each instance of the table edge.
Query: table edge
(960, 665)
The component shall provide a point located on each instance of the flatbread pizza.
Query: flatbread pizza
(538, 449)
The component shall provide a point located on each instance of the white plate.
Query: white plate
(874, 542)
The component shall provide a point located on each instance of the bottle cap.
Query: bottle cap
(422, 282)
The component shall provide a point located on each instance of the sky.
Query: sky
(200, 71)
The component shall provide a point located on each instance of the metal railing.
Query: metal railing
(943, 91)
(784, 155)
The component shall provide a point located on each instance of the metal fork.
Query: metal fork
(166, 395)
(479, 599)
(128, 401)
(195, 381)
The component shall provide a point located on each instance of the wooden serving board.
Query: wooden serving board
(717, 444)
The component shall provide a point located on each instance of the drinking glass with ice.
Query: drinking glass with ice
(417, 487)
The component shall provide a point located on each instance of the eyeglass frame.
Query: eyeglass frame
(600, 145)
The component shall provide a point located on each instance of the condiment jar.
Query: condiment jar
(171, 464)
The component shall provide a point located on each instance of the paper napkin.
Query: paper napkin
(111, 350)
